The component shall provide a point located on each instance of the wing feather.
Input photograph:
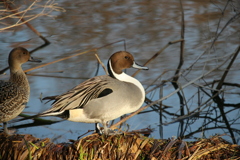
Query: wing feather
(80, 95)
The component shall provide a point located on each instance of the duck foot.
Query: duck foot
(106, 131)
(8, 131)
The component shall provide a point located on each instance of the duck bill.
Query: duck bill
(31, 59)
(137, 66)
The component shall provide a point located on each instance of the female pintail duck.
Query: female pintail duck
(14, 94)
(102, 98)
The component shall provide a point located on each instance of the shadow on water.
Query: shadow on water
(192, 86)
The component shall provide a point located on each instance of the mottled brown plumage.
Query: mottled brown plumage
(14, 94)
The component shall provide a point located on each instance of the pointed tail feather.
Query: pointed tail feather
(44, 114)
(51, 98)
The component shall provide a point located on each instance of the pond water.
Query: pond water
(146, 27)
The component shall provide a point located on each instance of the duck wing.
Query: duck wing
(80, 95)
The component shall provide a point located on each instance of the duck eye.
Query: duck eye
(126, 57)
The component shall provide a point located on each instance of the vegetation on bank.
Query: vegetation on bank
(129, 146)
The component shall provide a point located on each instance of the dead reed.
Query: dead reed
(127, 147)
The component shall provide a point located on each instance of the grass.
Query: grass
(128, 146)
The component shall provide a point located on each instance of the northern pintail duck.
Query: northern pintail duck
(102, 98)
(14, 94)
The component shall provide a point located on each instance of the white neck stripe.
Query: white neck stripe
(126, 78)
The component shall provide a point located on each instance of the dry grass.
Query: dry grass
(125, 147)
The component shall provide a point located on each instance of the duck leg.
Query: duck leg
(102, 131)
(5, 130)
(108, 131)
(105, 127)
(98, 129)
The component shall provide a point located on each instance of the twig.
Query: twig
(156, 79)
(91, 50)
(219, 86)
(181, 61)
(31, 17)
(216, 36)
(158, 53)
(122, 40)
(101, 64)
(164, 81)
(207, 50)
(192, 113)
(8, 6)
(224, 27)
(17, 14)
(220, 101)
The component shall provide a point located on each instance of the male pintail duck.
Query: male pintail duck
(14, 94)
(101, 98)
